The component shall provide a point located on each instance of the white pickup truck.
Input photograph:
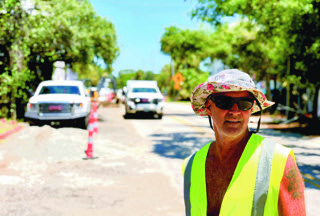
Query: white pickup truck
(143, 96)
(59, 101)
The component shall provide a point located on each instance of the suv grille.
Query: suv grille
(55, 108)
(147, 101)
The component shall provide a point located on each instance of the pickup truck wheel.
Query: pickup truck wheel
(83, 123)
(158, 116)
(127, 115)
(32, 124)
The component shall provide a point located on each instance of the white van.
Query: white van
(143, 96)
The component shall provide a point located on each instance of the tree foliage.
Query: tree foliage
(186, 47)
(288, 35)
(89, 71)
(71, 31)
(125, 75)
(34, 36)
(192, 79)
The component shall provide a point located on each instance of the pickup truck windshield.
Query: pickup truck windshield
(148, 90)
(60, 90)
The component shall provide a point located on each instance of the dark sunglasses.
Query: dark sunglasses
(225, 102)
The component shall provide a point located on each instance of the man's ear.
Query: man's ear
(251, 110)
(208, 107)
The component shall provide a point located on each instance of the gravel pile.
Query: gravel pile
(48, 144)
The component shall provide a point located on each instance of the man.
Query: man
(240, 173)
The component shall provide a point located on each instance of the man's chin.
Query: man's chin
(234, 131)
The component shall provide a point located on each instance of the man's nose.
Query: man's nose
(235, 108)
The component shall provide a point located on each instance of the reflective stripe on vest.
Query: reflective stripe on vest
(262, 178)
(187, 185)
(249, 192)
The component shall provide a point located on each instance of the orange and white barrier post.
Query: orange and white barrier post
(110, 96)
(95, 116)
(89, 151)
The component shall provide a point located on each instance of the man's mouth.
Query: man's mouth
(233, 121)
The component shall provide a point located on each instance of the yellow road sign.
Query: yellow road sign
(177, 79)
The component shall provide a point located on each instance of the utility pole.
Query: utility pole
(172, 68)
(172, 74)
(288, 88)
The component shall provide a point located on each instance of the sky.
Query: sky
(139, 26)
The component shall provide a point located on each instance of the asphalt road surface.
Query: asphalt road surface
(137, 169)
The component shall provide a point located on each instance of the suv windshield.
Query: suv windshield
(60, 90)
(148, 90)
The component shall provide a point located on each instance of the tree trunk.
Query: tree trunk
(315, 103)
(13, 110)
(288, 88)
(46, 69)
(16, 67)
(292, 98)
(268, 86)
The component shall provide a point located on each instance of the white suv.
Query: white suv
(143, 96)
(59, 101)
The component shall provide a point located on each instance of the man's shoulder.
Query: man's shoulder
(279, 147)
(263, 139)
(202, 150)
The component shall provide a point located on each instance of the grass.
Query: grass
(6, 125)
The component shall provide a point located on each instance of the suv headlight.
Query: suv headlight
(133, 99)
(77, 107)
(137, 100)
(32, 106)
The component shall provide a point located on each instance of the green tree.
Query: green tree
(124, 76)
(89, 71)
(71, 31)
(149, 75)
(291, 25)
(164, 80)
(13, 39)
(32, 39)
(185, 47)
(192, 79)
(240, 46)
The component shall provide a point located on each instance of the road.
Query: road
(137, 170)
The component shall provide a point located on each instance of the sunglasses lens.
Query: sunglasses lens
(245, 103)
(224, 102)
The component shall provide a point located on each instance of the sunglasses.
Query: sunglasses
(225, 102)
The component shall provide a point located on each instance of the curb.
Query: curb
(9, 132)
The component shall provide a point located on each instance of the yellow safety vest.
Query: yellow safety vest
(255, 184)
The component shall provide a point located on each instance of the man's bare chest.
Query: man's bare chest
(218, 178)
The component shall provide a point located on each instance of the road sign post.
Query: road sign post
(177, 79)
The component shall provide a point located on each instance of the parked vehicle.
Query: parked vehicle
(143, 96)
(107, 89)
(59, 101)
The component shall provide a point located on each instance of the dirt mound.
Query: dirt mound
(47, 144)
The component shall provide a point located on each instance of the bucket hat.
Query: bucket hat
(230, 80)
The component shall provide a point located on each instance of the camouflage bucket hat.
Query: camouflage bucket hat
(229, 80)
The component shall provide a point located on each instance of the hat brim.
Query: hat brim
(201, 92)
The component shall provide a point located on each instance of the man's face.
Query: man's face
(232, 122)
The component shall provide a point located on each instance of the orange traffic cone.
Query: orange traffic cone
(89, 151)
(95, 117)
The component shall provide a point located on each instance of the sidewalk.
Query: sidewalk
(8, 127)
